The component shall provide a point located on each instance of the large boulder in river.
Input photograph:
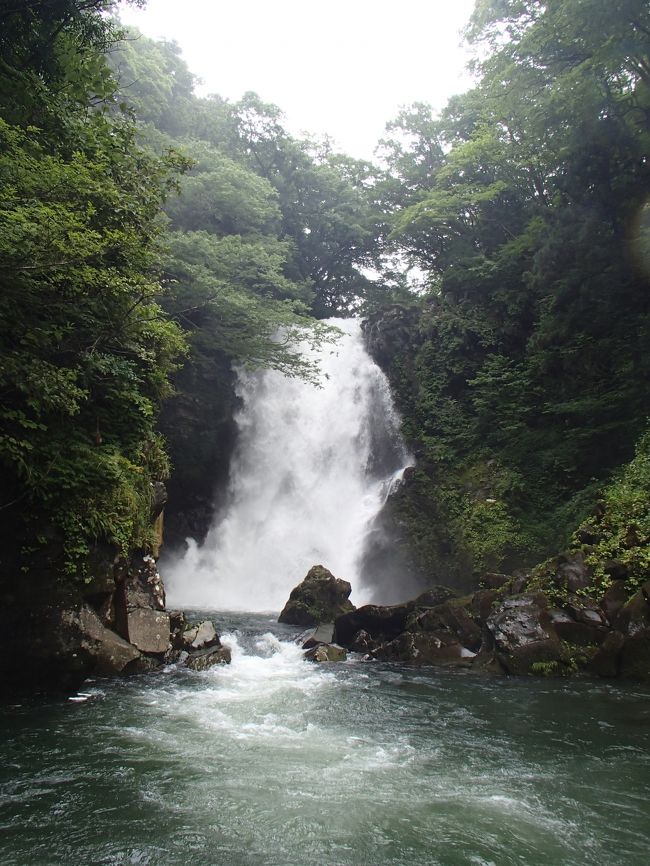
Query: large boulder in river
(326, 652)
(385, 622)
(320, 597)
(425, 649)
(381, 622)
(523, 635)
(208, 657)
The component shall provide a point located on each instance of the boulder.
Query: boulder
(110, 653)
(148, 630)
(57, 642)
(494, 581)
(140, 615)
(381, 623)
(606, 661)
(142, 587)
(323, 633)
(363, 643)
(614, 599)
(449, 618)
(571, 572)
(201, 660)
(432, 597)
(581, 626)
(523, 634)
(320, 597)
(178, 625)
(634, 623)
(482, 602)
(424, 649)
(326, 652)
(199, 636)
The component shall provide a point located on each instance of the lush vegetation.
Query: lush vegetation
(85, 348)
(525, 379)
(144, 232)
(151, 239)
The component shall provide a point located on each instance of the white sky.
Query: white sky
(342, 67)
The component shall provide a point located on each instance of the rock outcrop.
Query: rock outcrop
(114, 624)
(320, 597)
(512, 627)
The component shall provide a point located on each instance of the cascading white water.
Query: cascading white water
(312, 468)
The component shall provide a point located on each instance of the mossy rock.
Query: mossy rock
(320, 597)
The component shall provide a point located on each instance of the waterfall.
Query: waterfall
(311, 470)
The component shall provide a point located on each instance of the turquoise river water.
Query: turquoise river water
(273, 761)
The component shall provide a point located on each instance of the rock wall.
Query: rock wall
(57, 632)
(511, 627)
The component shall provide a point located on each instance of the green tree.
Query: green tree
(85, 348)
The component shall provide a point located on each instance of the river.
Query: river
(274, 761)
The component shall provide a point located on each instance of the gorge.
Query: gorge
(472, 463)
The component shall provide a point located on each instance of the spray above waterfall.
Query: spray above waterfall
(312, 469)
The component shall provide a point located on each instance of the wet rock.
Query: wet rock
(178, 625)
(572, 574)
(634, 623)
(200, 636)
(523, 634)
(326, 652)
(110, 653)
(606, 661)
(578, 629)
(433, 596)
(320, 597)
(363, 643)
(451, 618)
(381, 622)
(323, 633)
(201, 660)
(148, 630)
(586, 614)
(494, 581)
(518, 584)
(482, 603)
(424, 649)
(614, 599)
(141, 588)
(158, 499)
(140, 615)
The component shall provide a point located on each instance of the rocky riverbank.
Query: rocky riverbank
(57, 634)
(509, 626)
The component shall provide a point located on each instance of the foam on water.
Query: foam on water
(274, 761)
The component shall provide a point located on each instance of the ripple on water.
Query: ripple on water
(275, 761)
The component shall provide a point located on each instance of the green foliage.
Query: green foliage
(620, 529)
(546, 669)
(86, 351)
(522, 204)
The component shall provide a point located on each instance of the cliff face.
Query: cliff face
(60, 629)
(459, 516)
(417, 521)
(199, 428)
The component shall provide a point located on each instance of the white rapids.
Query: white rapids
(312, 469)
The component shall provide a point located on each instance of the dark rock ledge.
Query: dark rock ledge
(56, 636)
(509, 626)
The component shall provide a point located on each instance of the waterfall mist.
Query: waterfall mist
(310, 473)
